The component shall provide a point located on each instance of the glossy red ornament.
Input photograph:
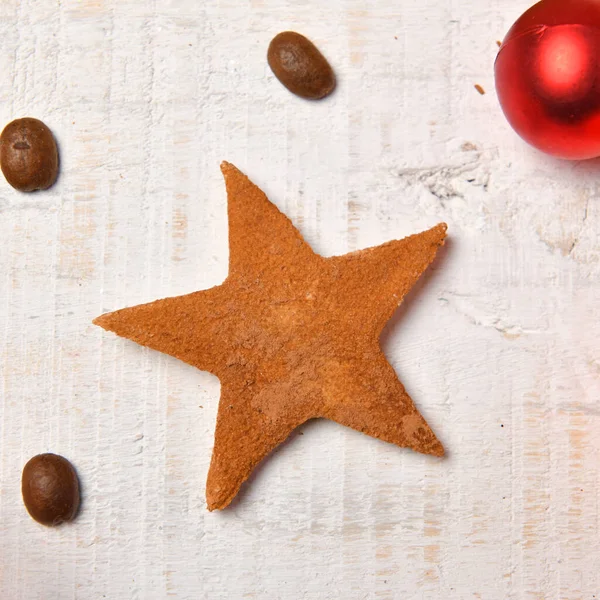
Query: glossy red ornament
(548, 77)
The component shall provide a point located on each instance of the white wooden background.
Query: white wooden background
(499, 345)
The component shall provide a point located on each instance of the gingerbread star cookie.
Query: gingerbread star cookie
(291, 335)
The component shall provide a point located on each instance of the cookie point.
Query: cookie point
(213, 504)
(440, 229)
(227, 166)
(103, 321)
(438, 450)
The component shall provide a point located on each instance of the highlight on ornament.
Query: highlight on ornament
(548, 77)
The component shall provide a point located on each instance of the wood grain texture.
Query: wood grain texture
(498, 346)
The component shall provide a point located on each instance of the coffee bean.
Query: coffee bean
(28, 155)
(50, 489)
(300, 67)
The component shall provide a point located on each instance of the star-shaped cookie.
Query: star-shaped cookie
(291, 335)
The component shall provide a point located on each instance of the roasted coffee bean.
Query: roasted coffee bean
(299, 65)
(28, 155)
(50, 489)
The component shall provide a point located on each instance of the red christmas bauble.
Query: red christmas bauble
(548, 77)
